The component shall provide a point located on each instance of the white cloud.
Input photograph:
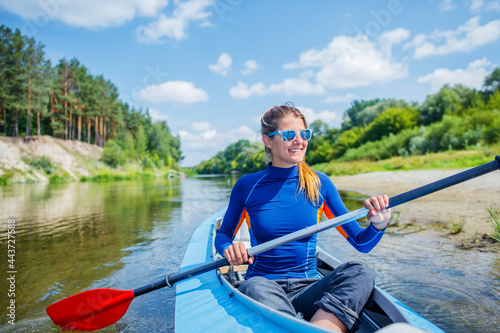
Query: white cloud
(242, 90)
(332, 118)
(201, 126)
(85, 13)
(176, 25)
(157, 115)
(206, 143)
(339, 99)
(473, 76)
(478, 6)
(348, 62)
(208, 135)
(465, 38)
(103, 14)
(290, 86)
(299, 86)
(493, 6)
(390, 38)
(447, 5)
(173, 92)
(223, 64)
(250, 66)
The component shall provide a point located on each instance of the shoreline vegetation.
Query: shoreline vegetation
(447, 160)
(44, 158)
(446, 217)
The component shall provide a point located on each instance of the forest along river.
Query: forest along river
(80, 236)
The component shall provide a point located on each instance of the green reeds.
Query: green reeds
(457, 228)
(495, 222)
(107, 176)
(396, 217)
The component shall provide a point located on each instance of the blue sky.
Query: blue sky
(211, 68)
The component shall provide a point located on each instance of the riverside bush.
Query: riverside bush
(389, 146)
(491, 134)
(43, 162)
(112, 154)
(452, 133)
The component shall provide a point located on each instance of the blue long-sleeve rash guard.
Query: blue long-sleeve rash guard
(269, 202)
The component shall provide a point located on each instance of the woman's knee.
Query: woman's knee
(268, 292)
(364, 269)
(359, 271)
(352, 275)
(351, 285)
(259, 288)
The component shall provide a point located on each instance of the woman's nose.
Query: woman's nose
(298, 138)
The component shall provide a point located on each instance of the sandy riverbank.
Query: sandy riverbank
(431, 215)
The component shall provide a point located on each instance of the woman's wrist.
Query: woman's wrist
(380, 225)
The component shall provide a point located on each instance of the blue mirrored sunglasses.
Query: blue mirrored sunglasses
(289, 135)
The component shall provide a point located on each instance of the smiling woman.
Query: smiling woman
(288, 196)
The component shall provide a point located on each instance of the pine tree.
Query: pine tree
(5, 56)
(16, 83)
(36, 87)
(45, 81)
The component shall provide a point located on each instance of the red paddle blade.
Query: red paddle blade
(90, 310)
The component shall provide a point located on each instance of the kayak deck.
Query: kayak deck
(211, 301)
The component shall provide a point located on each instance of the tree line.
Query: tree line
(456, 117)
(66, 101)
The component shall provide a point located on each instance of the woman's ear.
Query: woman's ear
(267, 141)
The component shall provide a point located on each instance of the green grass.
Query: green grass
(495, 222)
(4, 179)
(107, 176)
(462, 159)
(58, 179)
(475, 236)
(457, 228)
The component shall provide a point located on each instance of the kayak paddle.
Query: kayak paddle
(94, 309)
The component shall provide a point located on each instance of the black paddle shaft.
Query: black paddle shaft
(171, 279)
(396, 200)
(445, 182)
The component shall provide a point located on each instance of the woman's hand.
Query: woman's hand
(237, 254)
(379, 215)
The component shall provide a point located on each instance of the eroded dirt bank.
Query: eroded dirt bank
(71, 156)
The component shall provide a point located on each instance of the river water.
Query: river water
(80, 236)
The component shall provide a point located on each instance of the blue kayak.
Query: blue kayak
(211, 302)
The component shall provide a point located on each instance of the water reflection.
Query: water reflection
(457, 290)
(81, 236)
